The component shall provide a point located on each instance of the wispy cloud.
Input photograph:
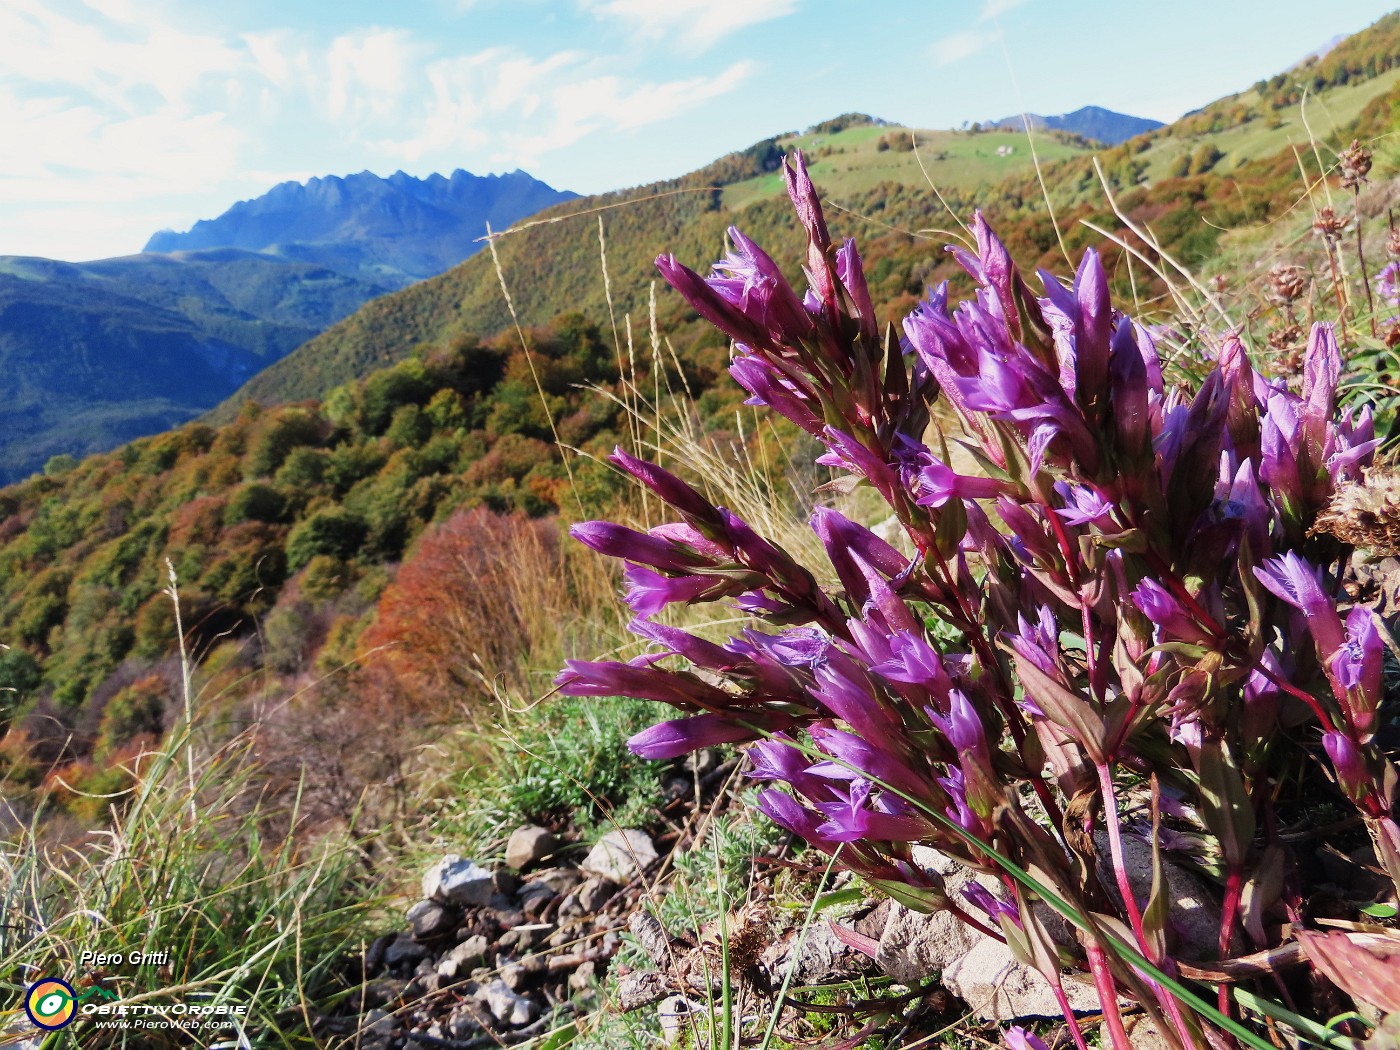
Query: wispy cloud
(698, 24)
(520, 108)
(993, 8)
(957, 46)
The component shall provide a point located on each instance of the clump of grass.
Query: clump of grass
(564, 763)
(188, 877)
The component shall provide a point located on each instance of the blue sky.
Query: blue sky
(121, 117)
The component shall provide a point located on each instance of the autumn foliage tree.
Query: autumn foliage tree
(451, 628)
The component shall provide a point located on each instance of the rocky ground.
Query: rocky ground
(501, 954)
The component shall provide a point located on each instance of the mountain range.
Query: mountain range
(1093, 122)
(95, 354)
(387, 231)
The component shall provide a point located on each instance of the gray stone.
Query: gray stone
(620, 855)
(999, 988)
(915, 946)
(560, 880)
(464, 1021)
(593, 894)
(377, 1022)
(518, 975)
(581, 980)
(469, 954)
(404, 952)
(529, 845)
(505, 1006)
(455, 880)
(430, 919)
(1192, 913)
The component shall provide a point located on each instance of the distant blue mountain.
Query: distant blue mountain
(1093, 122)
(390, 231)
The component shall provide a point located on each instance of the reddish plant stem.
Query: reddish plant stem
(1068, 1011)
(1234, 886)
(1108, 996)
(1115, 848)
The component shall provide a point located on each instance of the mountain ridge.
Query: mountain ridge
(1093, 122)
(356, 224)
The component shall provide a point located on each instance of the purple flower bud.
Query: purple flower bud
(1095, 327)
(852, 276)
(770, 387)
(672, 490)
(1162, 607)
(1019, 1039)
(845, 541)
(1130, 391)
(1347, 760)
(640, 680)
(785, 811)
(709, 304)
(684, 735)
(618, 541)
(850, 454)
(938, 483)
(1322, 370)
(680, 532)
(1297, 583)
(682, 643)
(984, 900)
(650, 592)
(809, 213)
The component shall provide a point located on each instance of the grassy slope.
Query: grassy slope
(554, 263)
(555, 266)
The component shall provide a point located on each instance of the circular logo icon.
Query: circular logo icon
(50, 1003)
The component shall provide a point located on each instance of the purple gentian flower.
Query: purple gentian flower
(1017, 1038)
(1164, 609)
(1388, 283)
(1296, 582)
(938, 483)
(1357, 667)
(650, 592)
(750, 281)
(994, 907)
(1084, 505)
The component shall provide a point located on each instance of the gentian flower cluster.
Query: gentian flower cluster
(1150, 641)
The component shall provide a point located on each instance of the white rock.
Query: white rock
(675, 1014)
(619, 855)
(455, 880)
(998, 988)
(915, 946)
(505, 1006)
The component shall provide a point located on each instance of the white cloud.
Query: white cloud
(520, 108)
(698, 23)
(957, 46)
(993, 8)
